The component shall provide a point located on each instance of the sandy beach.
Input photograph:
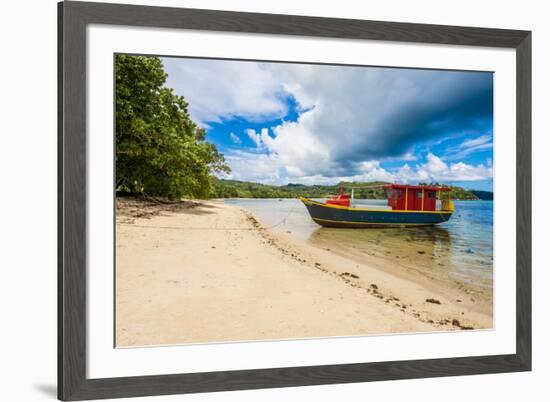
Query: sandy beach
(206, 271)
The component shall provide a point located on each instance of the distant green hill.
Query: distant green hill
(244, 189)
(483, 195)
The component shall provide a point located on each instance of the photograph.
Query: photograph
(269, 200)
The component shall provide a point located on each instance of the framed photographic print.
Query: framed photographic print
(256, 201)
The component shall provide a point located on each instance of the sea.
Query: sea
(460, 250)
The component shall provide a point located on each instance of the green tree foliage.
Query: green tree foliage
(159, 150)
(457, 193)
(483, 195)
(243, 189)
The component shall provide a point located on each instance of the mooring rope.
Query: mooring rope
(281, 222)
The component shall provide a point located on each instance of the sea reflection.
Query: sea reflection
(425, 248)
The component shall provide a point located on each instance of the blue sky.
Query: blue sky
(280, 123)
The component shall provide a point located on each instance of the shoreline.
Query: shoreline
(411, 287)
(212, 272)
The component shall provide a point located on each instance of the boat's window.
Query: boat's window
(431, 194)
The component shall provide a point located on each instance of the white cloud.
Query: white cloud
(255, 167)
(436, 170)
(234, 138)
(295, 147)
(435, 165)
(408, 157)
(350, 116)
(272, 169)
(475, 142)
(471, 146)
(218, 90)
(256, 138)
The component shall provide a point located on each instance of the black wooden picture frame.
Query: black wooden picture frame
(73, 18)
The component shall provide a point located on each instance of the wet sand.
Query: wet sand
(211, 272)
(419, 262)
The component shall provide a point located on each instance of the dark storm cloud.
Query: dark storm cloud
(442, 106)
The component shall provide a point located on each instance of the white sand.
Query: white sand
(195, 276)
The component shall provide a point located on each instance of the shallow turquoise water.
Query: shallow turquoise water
(461, 249)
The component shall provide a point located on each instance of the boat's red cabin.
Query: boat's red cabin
(340, 199)
(413, 198)
(401, 197)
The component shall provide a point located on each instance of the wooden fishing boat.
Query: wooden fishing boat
(407, 205)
